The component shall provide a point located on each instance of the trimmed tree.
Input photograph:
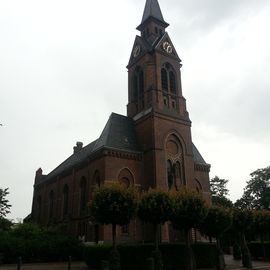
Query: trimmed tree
(114, 204)
(155, 207)
(189, 210)
(261, 226)
(242, 220)
(217, 221)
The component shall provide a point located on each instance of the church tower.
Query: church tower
(157, 105)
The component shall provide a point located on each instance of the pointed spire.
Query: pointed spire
(152, 10)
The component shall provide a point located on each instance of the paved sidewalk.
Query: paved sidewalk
(47, 266)
(237, 264)
(231, 264)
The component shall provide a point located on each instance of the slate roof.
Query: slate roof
(74, 159)
(197, 156)
(152, 9)
(118, 133)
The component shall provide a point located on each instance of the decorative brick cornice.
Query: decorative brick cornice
(121, 154)
(202, 167)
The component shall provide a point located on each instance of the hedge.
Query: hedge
(134, 257)
(257, 250)
(35, 244)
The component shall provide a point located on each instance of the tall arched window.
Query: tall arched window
(138, 84)
(51, 204)
(168, 79)
(82, 194)
(172, 82)
(65, 200)
(96, 179)
(170, 174)
(164, 79)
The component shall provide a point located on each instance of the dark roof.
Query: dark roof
(152, 9)
(74, 159)
(197, 156)
(119, 133)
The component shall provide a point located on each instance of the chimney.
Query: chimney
(38, 175)
(78, 147)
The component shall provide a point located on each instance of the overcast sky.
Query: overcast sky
(63, 71)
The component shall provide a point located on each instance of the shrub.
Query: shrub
(257, 250)
(134, 257)
(34, 243)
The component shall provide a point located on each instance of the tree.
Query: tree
(217, 221)
(155, 207)
(242, 220)
(189, 210)
(218, 187)
(222, 202)
(4, 203)
(114, 204)
(5, 224)
(261, 226)
(257, 191)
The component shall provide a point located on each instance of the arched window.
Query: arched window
(125, 177)
(65, 200)
(125, 181)
(175, 153)
(138, 84)
(96, 179)
(198, 186)
(168, 79)
(164, 79)
(51, 204)
(172, 83)
(170, 174)
(82, 194)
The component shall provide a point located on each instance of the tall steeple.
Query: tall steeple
(152, 12)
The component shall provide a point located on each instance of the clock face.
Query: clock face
(136, 51)
(167, 47)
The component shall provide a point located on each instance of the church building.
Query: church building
(151, 147)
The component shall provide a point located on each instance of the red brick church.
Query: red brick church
(150, 147)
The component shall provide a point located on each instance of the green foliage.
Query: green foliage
(217, 221)
(242, 219)
(218, 187)
(34, 243)
(4, 203)
(257, 191)
(134, 257)
(114, 204)
(261, 222)
(189, 209)
(5, 224)
(222, 202)
(155, 207)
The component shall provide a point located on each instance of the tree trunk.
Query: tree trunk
(114, 236)
(190, 259)
(263, 247)
(114, 255)
(220, 261)
(157, 227)
(158, 262)
(246, 257)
